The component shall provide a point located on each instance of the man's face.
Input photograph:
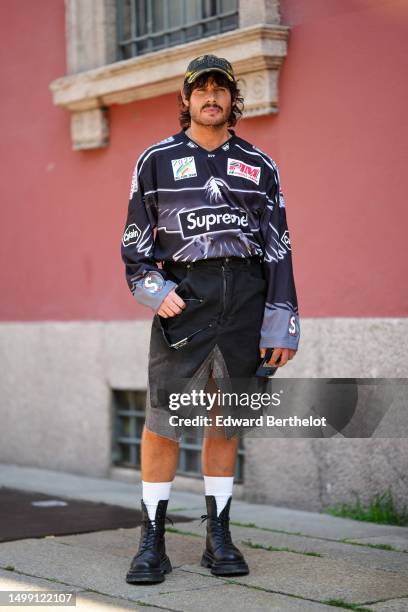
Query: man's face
(210, 103)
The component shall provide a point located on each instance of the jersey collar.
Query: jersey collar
(194, 145)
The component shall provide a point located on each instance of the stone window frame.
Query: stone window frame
(95, 80)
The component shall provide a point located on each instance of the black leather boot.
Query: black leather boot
(221, 555)
(150, 563)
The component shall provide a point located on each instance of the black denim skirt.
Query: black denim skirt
(217, 334)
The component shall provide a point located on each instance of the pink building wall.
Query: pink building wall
(340, 140)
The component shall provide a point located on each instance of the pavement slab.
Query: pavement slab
(123, 543)
(236, 598)
(316, 578)
(307, 523)
(90, 569)
(392, 605)
(99, 603)
(364, 556)
(85, 600)
(399, 542)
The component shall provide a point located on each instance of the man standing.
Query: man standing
(225, 292)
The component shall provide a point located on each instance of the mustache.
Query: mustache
(212, 106)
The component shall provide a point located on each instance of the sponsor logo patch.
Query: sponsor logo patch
(285, 239)
(210, 219)
(131, 235)
(239, 168)
(183, 168)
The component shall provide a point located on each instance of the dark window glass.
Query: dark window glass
(150, 25)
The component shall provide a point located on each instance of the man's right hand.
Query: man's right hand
(172, 305)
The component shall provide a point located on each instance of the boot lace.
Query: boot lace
(220, 525)
(150, 533)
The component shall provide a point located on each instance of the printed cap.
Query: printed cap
(208, 63)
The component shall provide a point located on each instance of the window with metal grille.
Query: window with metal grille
(150, 25)
(128, 421)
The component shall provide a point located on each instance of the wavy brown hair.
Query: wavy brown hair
(237, 101)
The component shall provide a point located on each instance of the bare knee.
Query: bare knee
(157, 441)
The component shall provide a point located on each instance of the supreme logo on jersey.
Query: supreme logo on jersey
(238, 168)
(210, 219)
(183, 168)
(131, 235)
(292, 329)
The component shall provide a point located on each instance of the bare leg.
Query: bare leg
(159, 457)
(219, 454)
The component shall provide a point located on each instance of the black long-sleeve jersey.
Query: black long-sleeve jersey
(205, 204)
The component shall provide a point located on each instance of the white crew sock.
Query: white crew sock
(221, 488)
(152, 493)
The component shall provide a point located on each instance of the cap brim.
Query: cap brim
(193, 77)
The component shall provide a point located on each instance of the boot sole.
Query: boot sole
(150, 577)
(236, 568)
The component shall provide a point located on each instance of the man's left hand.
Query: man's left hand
(284, 354)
